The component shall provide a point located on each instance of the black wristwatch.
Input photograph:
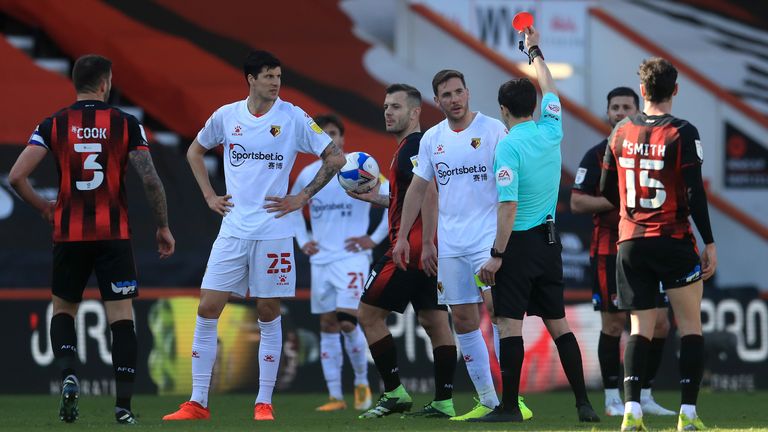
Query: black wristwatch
(496, 254)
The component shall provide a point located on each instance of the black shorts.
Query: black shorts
(645, 263)
(604, 294)
(530, 279)
(392, 289)
(73, 263)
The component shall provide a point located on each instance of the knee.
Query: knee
(328, 323)
(557, 327)
(613, 324)
(464, 320)
(209, 310)
(365, 317)
(347, 321)
(662, 325)
(268, 310)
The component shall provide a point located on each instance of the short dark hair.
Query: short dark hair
(258, 61)
(519, 96)
(658, 76)
(324, 120)
(412, 93)
(88, 72)
(623, 91)
(444, 75)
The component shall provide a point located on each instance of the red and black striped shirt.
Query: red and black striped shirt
(401, 173)
(649, 154)
(605, 233)
(90, 141)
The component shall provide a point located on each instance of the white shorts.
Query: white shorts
(456, 279)
(251, 268)
(339, 284)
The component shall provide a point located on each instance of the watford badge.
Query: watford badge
(440, 286)
(274, 130)
(475, 143)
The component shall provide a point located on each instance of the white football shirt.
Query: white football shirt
(334, 216)
(462, 164)
(259, 153)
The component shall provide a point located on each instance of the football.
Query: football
(360, 173)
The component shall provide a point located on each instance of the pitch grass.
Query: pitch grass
(552, 411)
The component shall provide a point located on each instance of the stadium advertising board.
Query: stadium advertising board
(746, 161)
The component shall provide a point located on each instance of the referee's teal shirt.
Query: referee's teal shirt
(528, 164)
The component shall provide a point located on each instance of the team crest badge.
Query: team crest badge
(274, 130)
(440, 286)
(475, 143)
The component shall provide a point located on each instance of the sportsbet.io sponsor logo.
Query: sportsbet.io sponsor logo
(444, 172)
(238, 155)
(317, 208)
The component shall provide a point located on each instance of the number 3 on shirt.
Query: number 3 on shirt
(645, 181)
(90, 164)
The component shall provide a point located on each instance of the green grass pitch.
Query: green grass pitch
(294, 412)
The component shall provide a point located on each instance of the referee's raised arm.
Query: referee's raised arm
(543, 75)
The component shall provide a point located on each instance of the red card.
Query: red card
(522, 20)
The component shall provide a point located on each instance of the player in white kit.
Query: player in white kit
(253, 253)
(339, 251)
(458, 154)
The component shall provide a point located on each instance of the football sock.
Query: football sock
(124, 353)
(64, 343)
(270, 350)
(204, 347)
(608, 353)
(384, 356)
(354, 345)
(512, 353)
(496, 339)
(655, 353)
(691, 367)
(635, 355)
(331, 361)
(570, 359)
(445, 366)
(475, 354)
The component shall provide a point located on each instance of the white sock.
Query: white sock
(203, 357)
(496, 339)
(475, 355)
(645, 394)
(270, 348)
(634, 409)
(331, 360)
(612, 396)
(355, 346)
(688, 410)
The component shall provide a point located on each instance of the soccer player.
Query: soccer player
(458, 154)
(92, 143)
(586, 198)
(390, 289)
(252, 254)
(526, 251)
(339, 253)
(652, 172)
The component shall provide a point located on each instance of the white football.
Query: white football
(360, 173)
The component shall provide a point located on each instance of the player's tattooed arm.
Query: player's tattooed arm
(333, 160)
(153, 187)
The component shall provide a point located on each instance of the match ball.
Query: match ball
(360, 173)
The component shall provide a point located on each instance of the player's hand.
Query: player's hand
(401, 254)
(283, 206)
(310, 248)
(708, 261)
(531, 37)
(368, 196)
(166, 244)
(220, 204)
(49, 211)
(488, 271)
(429, 258)
(356, 244)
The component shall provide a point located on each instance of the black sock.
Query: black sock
(385, 358)
(655, 353)
(64, 343)
(691, 367)
(511, 355)
(635, 358)
(608, 354)
(570, 359)
(445, 366)
(124, 353)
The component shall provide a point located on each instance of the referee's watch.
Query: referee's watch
(496, 254)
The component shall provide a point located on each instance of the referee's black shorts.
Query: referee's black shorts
(112, 260)
(530, 279)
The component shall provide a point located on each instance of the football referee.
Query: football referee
(526, 252)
